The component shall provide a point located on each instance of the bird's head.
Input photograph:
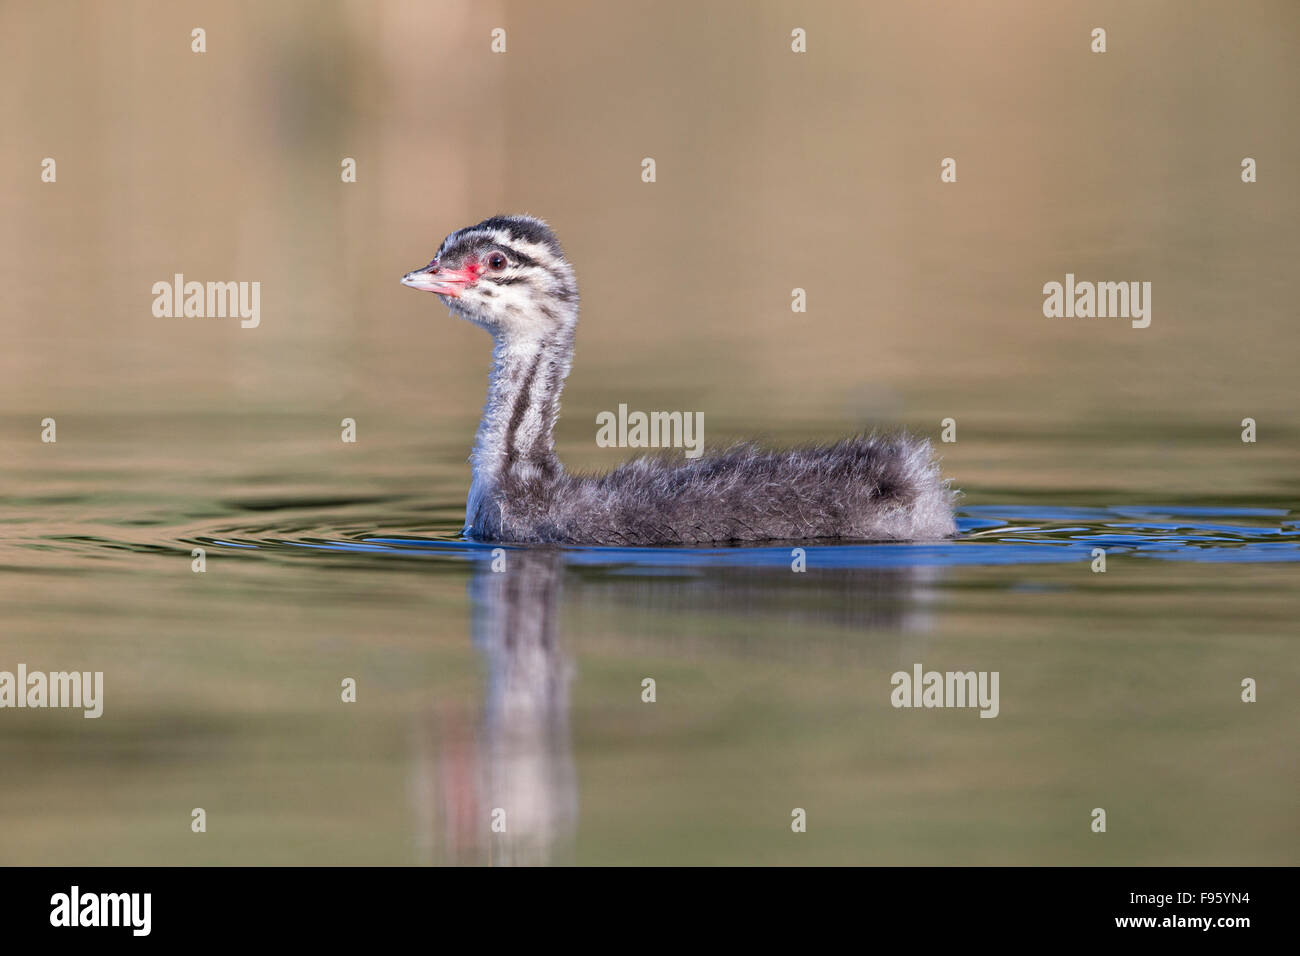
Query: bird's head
(507, 274)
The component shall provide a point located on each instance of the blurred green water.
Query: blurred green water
(1118, 690)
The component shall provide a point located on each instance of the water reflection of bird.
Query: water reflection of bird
(501, 786)
(505, 792)
(509, 275)
(530, 780)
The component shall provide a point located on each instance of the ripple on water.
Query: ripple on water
(989, 535)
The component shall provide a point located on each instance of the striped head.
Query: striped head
(507, 274)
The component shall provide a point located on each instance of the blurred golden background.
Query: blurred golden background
(775, 170)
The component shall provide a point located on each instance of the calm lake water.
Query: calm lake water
(521, 690)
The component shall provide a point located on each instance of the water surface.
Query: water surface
(522, 689)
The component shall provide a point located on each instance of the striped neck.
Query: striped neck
(515, 441)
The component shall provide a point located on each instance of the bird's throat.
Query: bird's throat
(515, 441)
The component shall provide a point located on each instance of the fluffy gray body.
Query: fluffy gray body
(508, 275)
(868, 488)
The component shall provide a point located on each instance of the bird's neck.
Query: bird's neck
(515, 441)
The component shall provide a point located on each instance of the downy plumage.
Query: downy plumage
(508, 275)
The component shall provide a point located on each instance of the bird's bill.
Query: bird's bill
(442, 281)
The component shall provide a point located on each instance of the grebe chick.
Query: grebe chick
(508, 275)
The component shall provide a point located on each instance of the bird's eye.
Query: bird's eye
(497, 261)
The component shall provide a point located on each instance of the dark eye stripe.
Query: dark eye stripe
(517, 256)
(466, 242)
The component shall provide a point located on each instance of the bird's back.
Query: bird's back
(865, 488)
